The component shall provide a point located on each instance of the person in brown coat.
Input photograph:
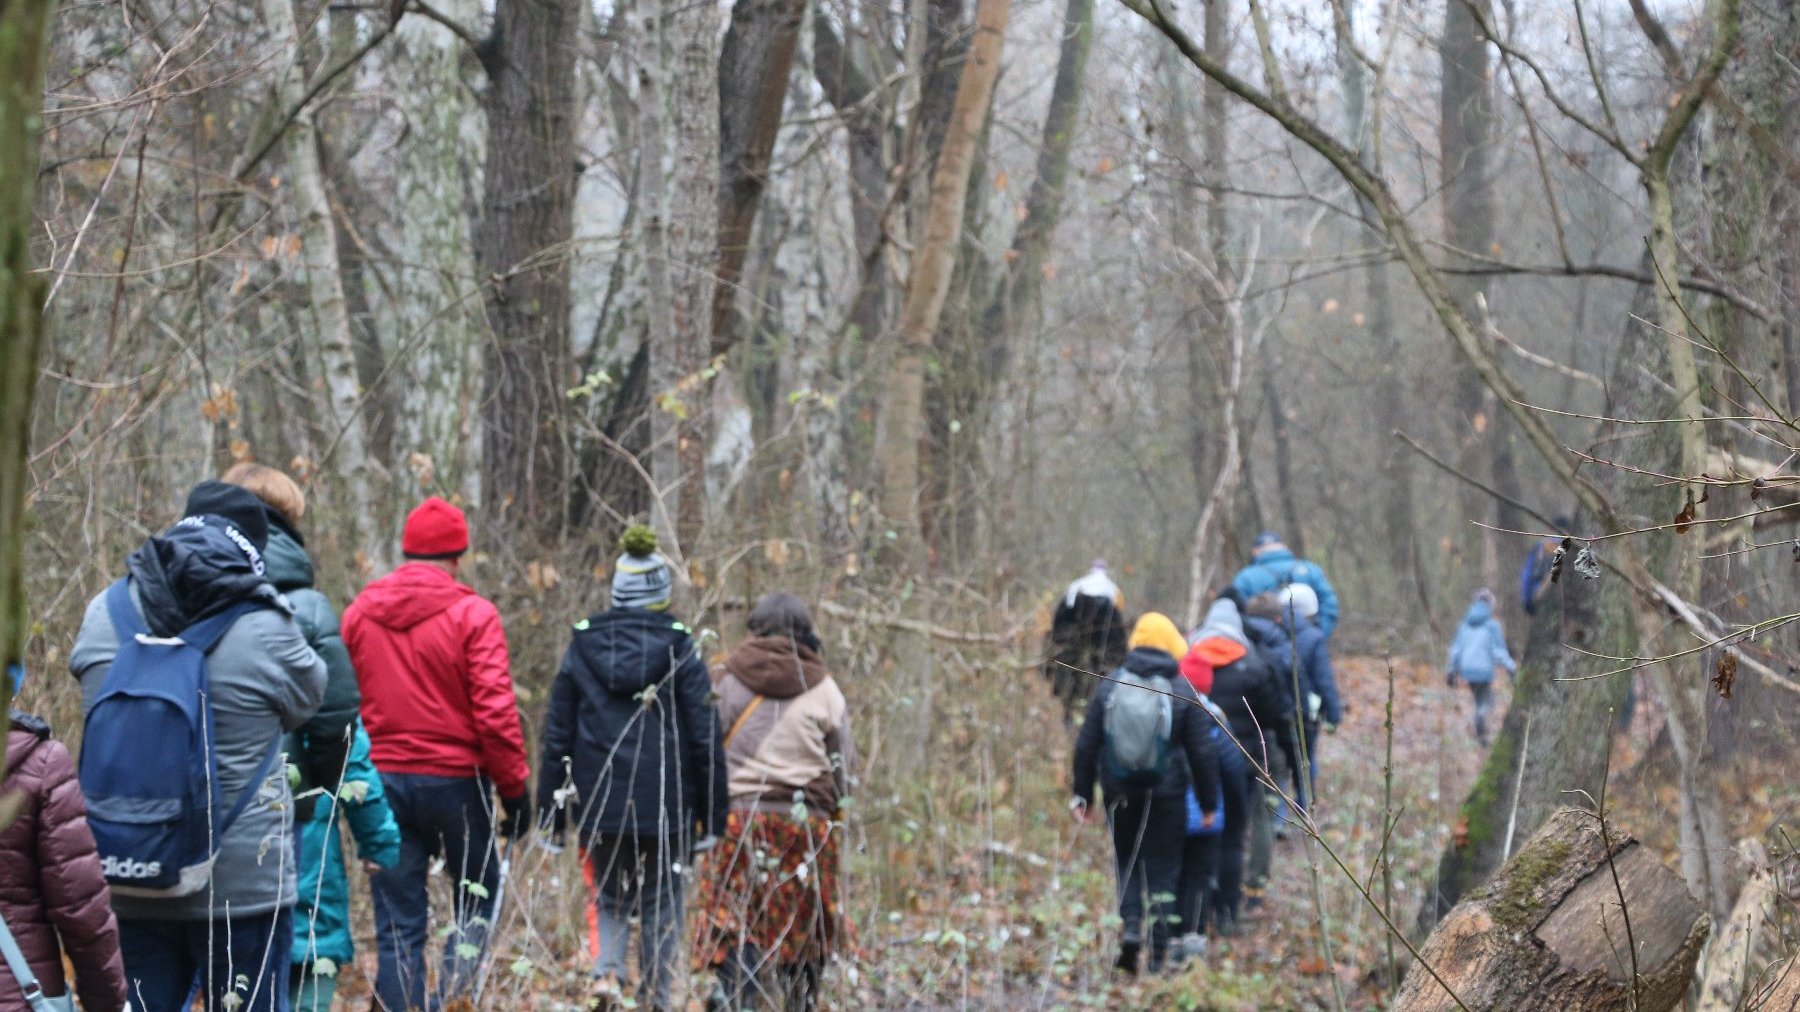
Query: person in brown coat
(52, 894)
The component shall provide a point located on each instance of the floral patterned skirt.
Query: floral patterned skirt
(772, 884)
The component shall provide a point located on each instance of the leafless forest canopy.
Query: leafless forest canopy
(916, 306)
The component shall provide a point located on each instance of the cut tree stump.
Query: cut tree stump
(1545, 933)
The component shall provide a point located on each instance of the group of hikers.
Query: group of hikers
(232, 724)
(1199, 744)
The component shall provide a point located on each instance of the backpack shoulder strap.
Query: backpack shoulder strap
(124, 614)
(738, 724)
(15, 962)
(248, 794)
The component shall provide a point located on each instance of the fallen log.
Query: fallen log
(1546, 933)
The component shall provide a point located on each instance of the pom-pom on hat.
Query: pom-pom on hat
(435, 530)
(641, 577)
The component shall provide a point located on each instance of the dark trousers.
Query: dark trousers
(1227, 871)
(1199, 871)
(168, 962)
(1483, 694)
(448, 817)
(1148, 834)
(638, 878)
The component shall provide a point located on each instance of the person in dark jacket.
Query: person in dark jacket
(444, 731)
(1087, 638)
(631, 721)
(1245, 689)
(1319, 699)
(1149, 824)
(318, 751)
(52, 894)
(231, 938)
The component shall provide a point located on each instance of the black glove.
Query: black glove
(1450, 679)
(516, 820)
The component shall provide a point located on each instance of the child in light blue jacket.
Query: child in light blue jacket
(322, 940)
(1479, 648)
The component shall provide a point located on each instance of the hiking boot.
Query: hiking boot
(608, 995)
(1192, 945)
(1227, 925)
(1128, 957)
(1253, 897)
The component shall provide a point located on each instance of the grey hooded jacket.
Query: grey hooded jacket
(265, 682)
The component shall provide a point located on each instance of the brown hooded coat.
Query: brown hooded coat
(787, 727)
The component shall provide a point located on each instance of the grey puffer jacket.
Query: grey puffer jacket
(265, 682)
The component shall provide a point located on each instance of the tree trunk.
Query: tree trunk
(753, 82)
(902, 410)
(523, 248)
(441, 328)
(319, 261)
(1547, 933)
(22, 50)
(1465, 141)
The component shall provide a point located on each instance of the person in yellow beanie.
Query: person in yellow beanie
(1146, 739)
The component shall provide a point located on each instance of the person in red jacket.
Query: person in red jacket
(437, 701)
(52, 894)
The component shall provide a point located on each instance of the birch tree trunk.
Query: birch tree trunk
(319, 261)
(437, 295)
(22, 51)
(523, 249)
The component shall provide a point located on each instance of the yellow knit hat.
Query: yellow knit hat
(1156, 631)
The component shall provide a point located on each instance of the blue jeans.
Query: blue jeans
(449, 817)
(168, 962)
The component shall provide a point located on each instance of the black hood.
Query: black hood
(193, 570)
(1151, 662)
(626, 650)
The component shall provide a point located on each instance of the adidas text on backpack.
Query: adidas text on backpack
(148, 763)
(1139, 724)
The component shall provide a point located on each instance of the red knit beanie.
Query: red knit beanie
(435, 530)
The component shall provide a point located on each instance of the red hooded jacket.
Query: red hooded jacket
(437, 692)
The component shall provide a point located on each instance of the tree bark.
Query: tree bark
(523, 249)
(753, 82)
(902, 410)
(22, 51)
(319, 261)
(1547, 933)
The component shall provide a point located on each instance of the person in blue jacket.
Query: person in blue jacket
(1274, 566)
(1479, 648)
(322, 941)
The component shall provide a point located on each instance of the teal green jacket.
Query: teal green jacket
(317, 750)
(322, 916)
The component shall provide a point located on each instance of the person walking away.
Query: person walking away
(1274, 566)
(1534, 575)
(770, 898)
(1479, 648)
(1298, 609)
(53, 898)
(202, 905)
(1205, 820)
(322, 939)
(318, 751)
(631, 719)
(443, 725)
(1087, 638)
(1145, 741)
(1244, 688)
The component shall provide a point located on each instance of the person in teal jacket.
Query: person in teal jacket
(322, 941)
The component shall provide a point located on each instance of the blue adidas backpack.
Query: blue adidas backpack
(148, 763)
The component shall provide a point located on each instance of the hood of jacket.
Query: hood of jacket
(1478, 614)
(1223, 623)
(777, 667)
(193, 570)
(290, 568)
(1265, 633)
(410, 595)
(627, 650)
(1273, 556)
(24, 734)
(1152, 662)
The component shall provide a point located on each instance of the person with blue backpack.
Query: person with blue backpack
(1273, 565)
(1479, 648)
(1146, 740)
(192, 670)
(322, 940)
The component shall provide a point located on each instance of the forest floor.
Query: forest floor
(972, 888)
